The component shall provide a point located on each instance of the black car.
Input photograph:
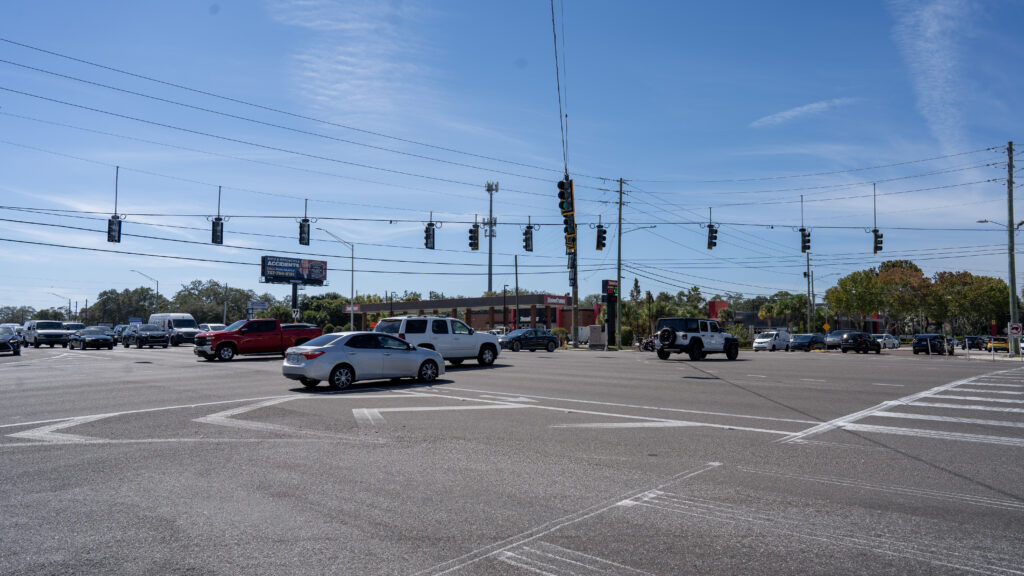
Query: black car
(530, 339)
(10, 341)
(145, 335)
(807, 342)
(94, 337)
(119, 330)
(973, 342)
(835, 339)
(860, 342)
(932, 344)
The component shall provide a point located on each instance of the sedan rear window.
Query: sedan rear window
(325, 340)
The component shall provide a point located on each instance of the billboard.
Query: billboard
(278, 270)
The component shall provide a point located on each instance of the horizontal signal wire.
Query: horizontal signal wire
(673, 282)
(234, 262)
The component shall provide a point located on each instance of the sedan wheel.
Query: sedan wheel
(428, 371)
(551, 346)
(516, 347)
(341, 377)
(308, 382)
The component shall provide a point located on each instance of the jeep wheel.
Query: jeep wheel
(667, 336)
(225, 352)
(732, 351)
(663, 354)
(551, 347)
(487, 355)
(696, 351)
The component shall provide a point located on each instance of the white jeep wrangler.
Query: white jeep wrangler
(450, 337)
(694, 336)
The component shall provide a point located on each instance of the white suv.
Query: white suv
(451, 338)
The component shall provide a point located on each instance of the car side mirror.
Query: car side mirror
(471, 331)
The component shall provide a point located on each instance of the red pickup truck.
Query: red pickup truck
(260, 336)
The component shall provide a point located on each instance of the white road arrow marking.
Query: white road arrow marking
(510, 399)
(48, 433)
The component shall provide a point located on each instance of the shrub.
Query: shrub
(627, 336)
(562, 334)
(328, 328)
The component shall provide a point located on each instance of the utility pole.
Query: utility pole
(618, 279)
(1014, 342)
(515, 320)
(492, 187)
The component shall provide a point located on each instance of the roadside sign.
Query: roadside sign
(826, 327)
(1014, 329)
(351, 308)
(257, 305)
(296, 313)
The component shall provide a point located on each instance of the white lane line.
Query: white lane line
(549, 527)
(656, 408)
(983, 391)
(721, 512)
(509, 398)
(755, 376)
(662, 424)
(979, 438)
(367, 416)
(947, 496)
(980, 383)
(967, 407)
(843, 420)
(548, 559)
(373, 417)
(978, 398)
(931, 417)
(812, 380)
(884, 384)
(49, 432)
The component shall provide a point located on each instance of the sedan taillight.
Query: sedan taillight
(311, 355)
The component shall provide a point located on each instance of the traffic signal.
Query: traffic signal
(114, 229)
(878, 240)
(565, 197)
(428, 236)
(304, 232)
(217, 232)
(528, 239)
(601, 235)
(474, 237)
(712, 236)
(805, 240)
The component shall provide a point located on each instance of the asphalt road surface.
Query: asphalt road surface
(153, 462)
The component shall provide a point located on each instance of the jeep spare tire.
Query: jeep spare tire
(667, 336)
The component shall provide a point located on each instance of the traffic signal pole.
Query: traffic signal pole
(1010, 229)
(492, 187)
(618, 279)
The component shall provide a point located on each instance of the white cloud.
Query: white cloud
(928, 35)
(811, 109)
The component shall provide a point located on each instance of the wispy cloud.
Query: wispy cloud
(928, 33)
(792, 114)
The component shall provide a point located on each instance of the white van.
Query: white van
(180, 327)
(772, 341)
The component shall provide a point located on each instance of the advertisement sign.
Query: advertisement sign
(556, 300)
(351, 308)
(257, 305)
(278, 270)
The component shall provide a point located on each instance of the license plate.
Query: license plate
(295, 359)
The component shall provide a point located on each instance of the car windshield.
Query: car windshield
(49, 325)
(325, 340)
(5, 331)
(802, 337)
(236, 325)
(73, 326)
(148, 328)
(187, 323)
(767, 335)
(388, 326)
(93, 331)
(214, 327)
(519, 332)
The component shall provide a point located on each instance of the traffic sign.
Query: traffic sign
(257, 305)
(296, 313)
(825, 326)
(1014, 329)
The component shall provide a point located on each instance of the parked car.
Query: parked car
(834, 339)
(259, 336)
(95, 337)
(860, 342)
(180, 327)
(997, 344)
(451, 337)
(212, 327)
(145, 335)
(888, 341)
(118, 330)
(772, 341)
(529, 339)
(342, 358)
(931, 344)
(9, 340)
(807, 342)
(974, 342)
(39, 332)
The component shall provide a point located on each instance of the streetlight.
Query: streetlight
(151, 278)
(504, 307)
(69, 303)
(352, 294)
(1013, 275)
(618, 279)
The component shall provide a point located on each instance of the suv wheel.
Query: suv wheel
(663, 354)
(486, 356)
(667, 335)
(696, 351)
(732, 351)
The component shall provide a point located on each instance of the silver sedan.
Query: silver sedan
(345, 357)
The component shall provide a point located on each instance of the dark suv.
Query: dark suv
(932, 344)
(860, 342)
(530, 339)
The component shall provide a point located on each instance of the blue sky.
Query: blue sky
(394, 110)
